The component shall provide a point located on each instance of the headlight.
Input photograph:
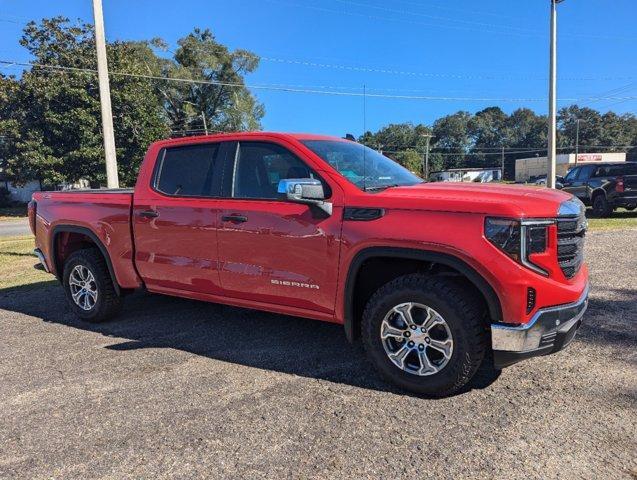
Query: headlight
(519, 238)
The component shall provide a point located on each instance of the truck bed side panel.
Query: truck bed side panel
(106, 214)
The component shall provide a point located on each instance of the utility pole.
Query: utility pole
(425, 172)
(552, 137)
(112, 180)
(577, 140)
(502, 168)
(205, 125)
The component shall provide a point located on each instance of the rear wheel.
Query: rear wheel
(601, 207)
(424, 334)
(88, 286)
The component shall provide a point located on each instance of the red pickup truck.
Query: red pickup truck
(435, 278)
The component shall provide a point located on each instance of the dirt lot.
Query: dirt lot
(177, 388)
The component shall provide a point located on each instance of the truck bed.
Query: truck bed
(68, 217)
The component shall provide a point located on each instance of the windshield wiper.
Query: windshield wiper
(375, 188)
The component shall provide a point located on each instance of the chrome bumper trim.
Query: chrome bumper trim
(542, 330)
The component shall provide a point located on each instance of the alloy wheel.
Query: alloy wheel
(416, 339)
(83, 287)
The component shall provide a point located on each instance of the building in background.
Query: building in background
(528, 169)
(480, 175)
(22, 193)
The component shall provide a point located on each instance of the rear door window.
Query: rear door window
(187, 171)
(616, 170)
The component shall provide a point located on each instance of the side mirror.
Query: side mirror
(305, 190)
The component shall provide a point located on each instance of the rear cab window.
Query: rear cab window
(187, 171)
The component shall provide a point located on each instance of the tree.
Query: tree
(403, 142)
(226, 103)
(53, 112)
(590, 127)
(452, 140)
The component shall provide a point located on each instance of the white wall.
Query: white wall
(525, 168)
(22, 194)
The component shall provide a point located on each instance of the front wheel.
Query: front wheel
(601, 207)
(88, 286)
(425, 334)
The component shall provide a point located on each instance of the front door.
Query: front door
(272, 250)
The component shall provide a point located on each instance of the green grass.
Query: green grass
(13, 212)
(17, 261)
(618, 220)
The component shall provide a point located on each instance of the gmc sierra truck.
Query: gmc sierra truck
(605, 187)
(434, 278)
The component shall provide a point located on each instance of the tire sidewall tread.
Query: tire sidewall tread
(108, 302)
(464, 316)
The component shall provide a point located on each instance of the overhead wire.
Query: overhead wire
(306, 90)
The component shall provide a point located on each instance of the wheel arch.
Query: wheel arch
(87, 232)
(598, 191)
(351, 322)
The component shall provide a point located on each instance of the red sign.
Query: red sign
(589, 157)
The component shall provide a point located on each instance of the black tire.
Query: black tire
(630, 208)
(463, 314)
(601, 207)
(108, 303)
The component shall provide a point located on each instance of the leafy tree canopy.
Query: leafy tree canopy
(50, 127)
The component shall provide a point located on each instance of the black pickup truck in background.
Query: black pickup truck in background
(605, 187)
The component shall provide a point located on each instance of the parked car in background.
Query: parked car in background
(541, 180)
(434, 277)
(605, 187)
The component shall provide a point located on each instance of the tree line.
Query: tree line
(50, 122)
(463, 139)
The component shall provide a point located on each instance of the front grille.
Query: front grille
(570, 244)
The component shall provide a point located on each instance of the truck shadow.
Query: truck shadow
(251, 338)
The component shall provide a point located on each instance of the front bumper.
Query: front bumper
(549, 331)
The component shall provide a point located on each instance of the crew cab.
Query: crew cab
(605, 187)
(435, 278)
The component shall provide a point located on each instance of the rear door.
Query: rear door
(176, 218)
(630, 180)
(272, 250)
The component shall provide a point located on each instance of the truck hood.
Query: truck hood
(492, 199)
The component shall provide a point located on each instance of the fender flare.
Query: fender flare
(89, 233)
(599, 189)
(492, 300)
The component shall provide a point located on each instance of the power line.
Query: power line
(450, 9)
(401, 71)
(307, 90)
(384, 19)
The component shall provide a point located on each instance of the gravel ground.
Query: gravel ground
(177, 388)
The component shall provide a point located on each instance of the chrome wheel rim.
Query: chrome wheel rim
(83, 287)
(416, 339)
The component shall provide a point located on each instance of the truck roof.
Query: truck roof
(239, 135)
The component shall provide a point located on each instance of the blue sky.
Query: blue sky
(460, 50)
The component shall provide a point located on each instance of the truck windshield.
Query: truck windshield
(364, 167)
